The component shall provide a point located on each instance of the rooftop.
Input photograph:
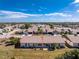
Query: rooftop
(42, 39)
(74, 39)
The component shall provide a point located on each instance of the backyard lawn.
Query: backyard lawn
(11, 53)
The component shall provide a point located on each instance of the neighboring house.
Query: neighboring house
(62, 29)
(75, 31)
(1, 31)
(6, 36)
(32, 30)
(73, 41)
(9, 28)
(41, 41)
(15, 31)
(45, 29)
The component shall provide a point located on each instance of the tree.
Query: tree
(27, 26)
(51, 26)
(69, 31)
(13, 41)
(40, 30)
(69, 55)
(55, 46)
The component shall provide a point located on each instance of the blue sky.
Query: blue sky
(39, 10)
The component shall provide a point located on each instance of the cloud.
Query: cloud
(15, 16)
(12, 14)
(58, 14)
(77, 10)
(76, 1)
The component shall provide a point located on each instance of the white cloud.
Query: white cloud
(76, 1)
(77, 10)
(58, 14)
(17, 15)
(12, 14)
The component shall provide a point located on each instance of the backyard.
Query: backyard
(11, 53)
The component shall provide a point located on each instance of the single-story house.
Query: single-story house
(5, 36)
(75, 31)
(9, 28)
(1, 31)
(73, 41)
(41, 41)
(9, 36)
(62, 29)
(32, 30)
(45, 29)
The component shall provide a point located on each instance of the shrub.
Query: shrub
(12, 41)
(69, 55)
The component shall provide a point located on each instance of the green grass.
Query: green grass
(10, 52)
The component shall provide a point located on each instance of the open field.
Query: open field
(11, 53)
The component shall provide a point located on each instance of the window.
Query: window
(39, 44)
(78, 44)
(30, 45)
(46, 45)
(22, 45)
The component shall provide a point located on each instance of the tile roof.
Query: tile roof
(9, 36)
(74, 39)
(42, 39)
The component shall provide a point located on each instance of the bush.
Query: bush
(55, 46)
(51, 26)
(69, 55)
(40, 30)
(13, 41)
(27, 26)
